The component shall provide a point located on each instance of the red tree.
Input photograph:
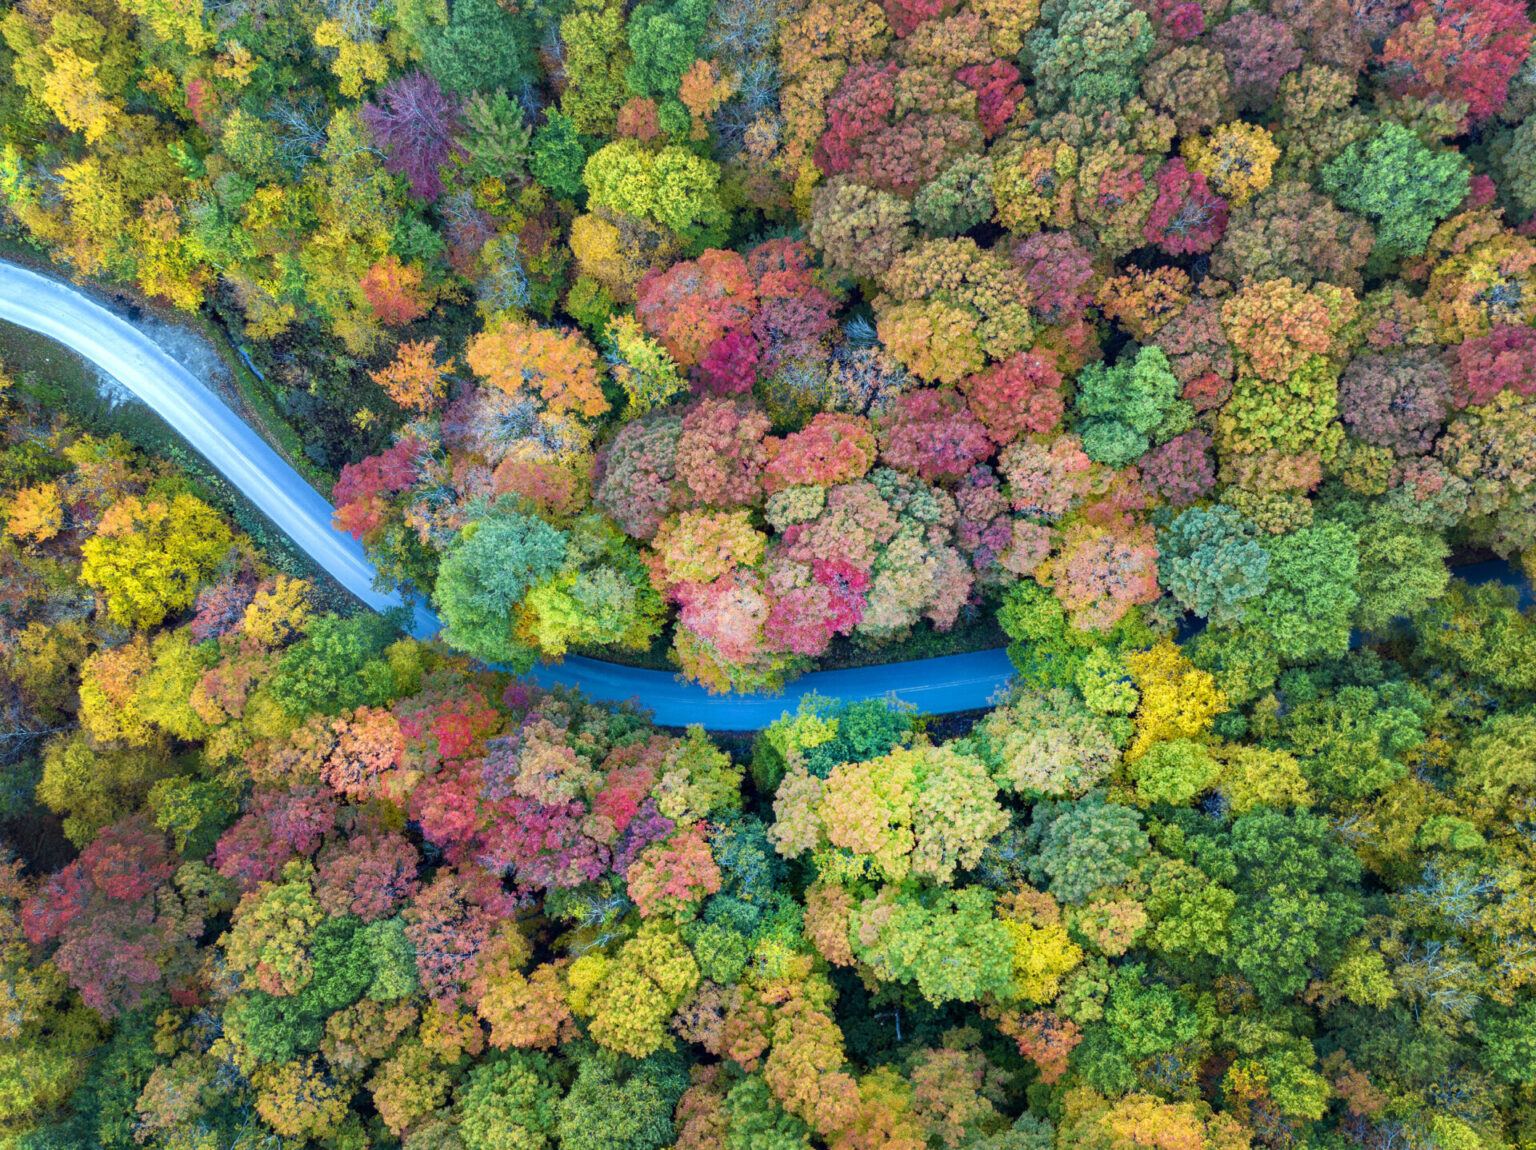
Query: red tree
(861, 105)
(1023, 393)
(1259, 51)
(692, 304)
(795, 315)
(1459, 50)
(276, 827)
(448, 923)
(998, 92)
(368, 876)
(1187, 216)
(932, 432)
(1485, 366)
(906, 15)
(834, 448)
(220, 606)
(361, 494)
(1059, 272)
(103, 910)
(392, 290)
(729, 367)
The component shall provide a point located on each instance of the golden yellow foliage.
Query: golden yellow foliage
(1255, 776)
(1238, 158)
(277, 613)
(1177, 701)
(36, 513)
(1043, 955)
(414, 379)
(358, 63)
(1007, 21)
(109, 680)
(561, 366)
(300, 1100)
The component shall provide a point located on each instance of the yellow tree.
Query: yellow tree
(75, 58)
(148, 557)
(1177, 700)
(278, 611)
(36, 513)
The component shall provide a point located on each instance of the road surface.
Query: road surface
(63, 313)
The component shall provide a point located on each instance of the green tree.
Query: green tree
(266, 1029)
(1047, 650)
(621, 1103)
(1298, 900)
(664, 39)
(1311, 596)
(1402, 569)
(94, 788)
(393, 959)
(1142, 1020)
(338, 666)
(1481, 632)
(758, 1122)
(1121, 409)
(596, 59)
(1403, 186)
(674, 187)
(1500, 756)
(1509, 1044)
(496, 140)
(1093, 53)
(510, 1103)
(483, 46)
(945, 941)
(1083, 846)
(1190, 913)
(1173, 772)
(1211, 560)
(194, 811)
(603, 595)
(559, 155)
(484, 578)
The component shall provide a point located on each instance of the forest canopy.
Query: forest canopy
(1186, 346)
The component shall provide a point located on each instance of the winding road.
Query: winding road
(63, 313)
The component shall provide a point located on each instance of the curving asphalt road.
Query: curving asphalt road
(63, 313)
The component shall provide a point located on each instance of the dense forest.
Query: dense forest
(1187, 346)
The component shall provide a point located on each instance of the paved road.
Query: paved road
(59, 311)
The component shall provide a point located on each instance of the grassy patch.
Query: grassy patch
(259, 400)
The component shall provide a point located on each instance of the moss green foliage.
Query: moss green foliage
(1403, 186)
(559, 155)
(488, 574)
(339, 665)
